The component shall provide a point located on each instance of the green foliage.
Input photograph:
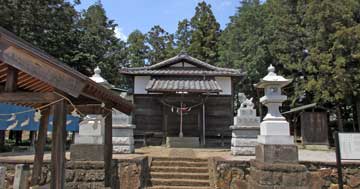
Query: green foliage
(161, 44)
(137, 50)
(205, 32)
(183, 35)
(245, 45)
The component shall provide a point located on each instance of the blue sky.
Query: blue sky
(143, 14)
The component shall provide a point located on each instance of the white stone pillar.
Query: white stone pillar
(123, 133)
(22, 174)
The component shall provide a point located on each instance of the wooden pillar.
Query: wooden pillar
(203, 124)
(108, 147)
(10, 86)
(58, 146)
(39, 147)
(165, 120)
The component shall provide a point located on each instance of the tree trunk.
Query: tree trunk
(339, 118)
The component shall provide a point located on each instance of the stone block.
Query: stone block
(89, 139)
(277, 153)
(276, 140)
(22, 174)
(123, 140)
(123, 149)
(247, 151)
(91, 128)
(87, 152)
(182, 142)
(2, 177)
(280, 127)
(244, 142)
(123, 132)
(246, 133)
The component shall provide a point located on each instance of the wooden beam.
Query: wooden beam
(91, 109)
(27, 97)
(10, 86)
(108, 147)
(39, 147)
(58, 146)
(44, 70)
(11, 79)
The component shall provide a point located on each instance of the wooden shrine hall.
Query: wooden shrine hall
(183, 97)
(31, 77)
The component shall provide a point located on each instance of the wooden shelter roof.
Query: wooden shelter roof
(41, 73)
(200, 68)
(175, 85)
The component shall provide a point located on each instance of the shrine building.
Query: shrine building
(184, 100)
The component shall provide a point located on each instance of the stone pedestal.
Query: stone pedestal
(278, 175)
(123, 134)
(89, 142)
(182, 142)
(245, 130)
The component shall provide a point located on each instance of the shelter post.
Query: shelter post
(58, 146)
(203, 124)
(108, 147)
(39, 146)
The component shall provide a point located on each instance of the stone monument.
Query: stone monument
(89, 142)
(123, 133)
(276, 164)
(245, 130)
(22, 175)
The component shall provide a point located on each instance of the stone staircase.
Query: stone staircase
(179, 173)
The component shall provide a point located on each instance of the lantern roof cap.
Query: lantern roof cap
(272, 79)
(99, 79)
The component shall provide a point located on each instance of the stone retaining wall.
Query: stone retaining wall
(235, 174)
(128, 173)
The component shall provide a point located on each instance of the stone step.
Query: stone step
(154, 159)
(178, 182)
(178, 187)
(174, 175)
(179, 163)
(179, 169)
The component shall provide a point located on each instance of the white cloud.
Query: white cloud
(119, 33)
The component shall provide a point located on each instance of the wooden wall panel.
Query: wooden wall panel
(314, 128)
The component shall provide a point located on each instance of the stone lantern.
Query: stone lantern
(274, 129)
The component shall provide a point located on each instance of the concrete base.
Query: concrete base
(243, 151)
(182, 142)
(278, 175)
(276, 153)
(117, 149)
(317, 147)
(87, 152)
(276, 139)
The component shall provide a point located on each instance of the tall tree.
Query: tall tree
(137, 49)
(183, 35)
(161, 44)
(47, 24)
(245, 44)
(205, 34)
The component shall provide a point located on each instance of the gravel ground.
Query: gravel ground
(159, 151)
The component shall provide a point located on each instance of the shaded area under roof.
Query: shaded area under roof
(194, 86)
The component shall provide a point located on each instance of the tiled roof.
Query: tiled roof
(161, 85)
(180, 72)
(162, 68)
